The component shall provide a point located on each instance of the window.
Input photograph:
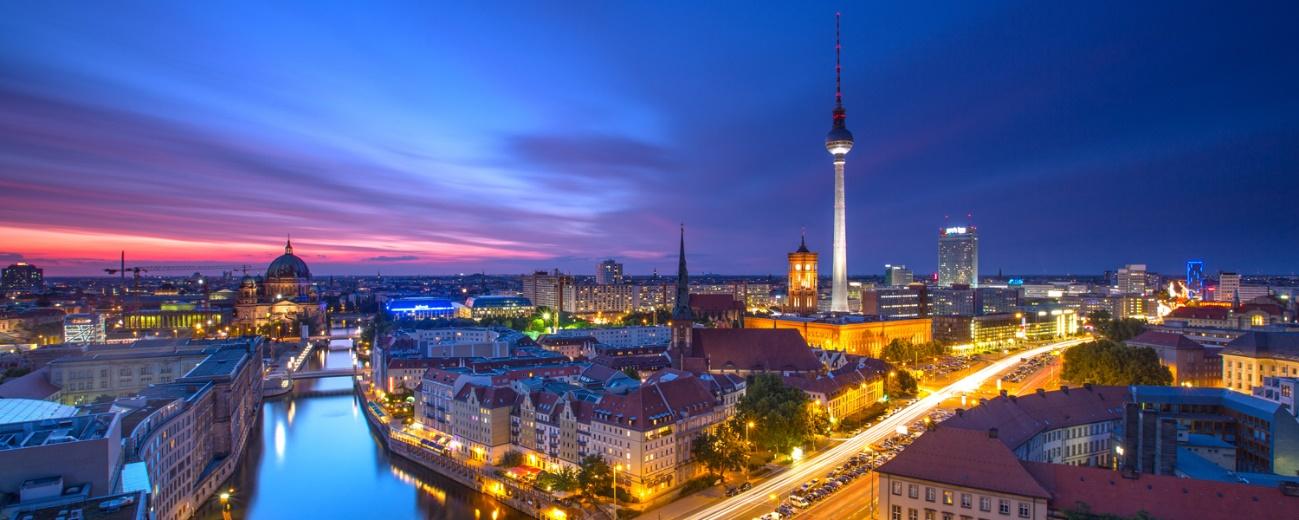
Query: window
(897, 513)
(912, 514)
(967, 500)
(931, 494)
(897, 490)
(947, 497)
(930, 514)
(985, 504)
(1003, 506)
(1023, 510)
(948, 516)
(913, 491)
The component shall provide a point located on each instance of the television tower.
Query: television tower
(838, 142)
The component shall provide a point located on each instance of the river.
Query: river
(314, 456)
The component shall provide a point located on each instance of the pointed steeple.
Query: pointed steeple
(802, 242)
(681, 311)
(288, 244)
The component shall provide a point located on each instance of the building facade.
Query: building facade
(850, 334)
(801, 293)
(282, 302)
(958, 256)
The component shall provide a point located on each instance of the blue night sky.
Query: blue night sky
(421, 138)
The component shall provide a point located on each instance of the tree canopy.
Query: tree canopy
(1106, 362)
(721, 449)
(594, 475)
(783, 416)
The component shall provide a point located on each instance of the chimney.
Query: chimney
(1014, 399)
(1087, 386)
(1003, 392)
(960, 412)
(1041, 393)
(992, 433)
(1065, 389)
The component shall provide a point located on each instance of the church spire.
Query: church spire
(802, 241)
(681, 311)
(288, 244)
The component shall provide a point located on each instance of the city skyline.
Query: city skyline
(461, 142)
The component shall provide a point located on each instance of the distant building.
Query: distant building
(1132, 279)
(84, 328)
(898, 275)
(1228, 287)
(1066, 426)
(282, 302)
(958, 256)
(1191, 363)
(893, 303)
(1195, 278)
(587, 298)
(960, 300)
(546, 289)
(497, 306)
(802, 284)
(420, 308)
(1254, 355)
(994, 331)
(851, 334)
(22, 276)
(608, 272)
(623, 336)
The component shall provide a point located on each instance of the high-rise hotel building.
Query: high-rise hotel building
(958, 256)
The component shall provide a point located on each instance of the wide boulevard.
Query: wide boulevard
(764, 497)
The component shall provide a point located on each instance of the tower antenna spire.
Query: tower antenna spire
(838, 91)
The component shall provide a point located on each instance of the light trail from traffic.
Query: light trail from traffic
(805, 470)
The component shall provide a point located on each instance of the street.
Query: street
(764, 497)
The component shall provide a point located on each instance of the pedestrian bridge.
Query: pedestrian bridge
(324, 372)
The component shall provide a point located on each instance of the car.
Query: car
(746, 486)
(730, 491)
(771, 516)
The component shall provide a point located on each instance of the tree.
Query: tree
(901, 384)
(1106, 362)
(512, 459)
(631, 372)
(1098, 317)
(1123, 329)
(562, 480)
(782, 415)
(721, 449)
(594, 475)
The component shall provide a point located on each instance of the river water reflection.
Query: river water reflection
(313, 456)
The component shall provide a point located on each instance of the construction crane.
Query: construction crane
(136, 270)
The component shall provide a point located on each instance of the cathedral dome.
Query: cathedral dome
(288, 266)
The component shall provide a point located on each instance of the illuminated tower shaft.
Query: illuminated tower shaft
(839, 285)
(838, 142)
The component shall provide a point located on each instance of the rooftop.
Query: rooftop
(55, 431)
(969, 458)
(23, 410)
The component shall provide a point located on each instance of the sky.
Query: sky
(437, 138)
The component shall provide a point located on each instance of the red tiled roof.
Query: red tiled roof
(714, 303)
(754, 349)
(1018, 419)
(666, 397)
(1107, 493)
(967, 458)
(1199, 313)
(1165, 339)
(839, 380)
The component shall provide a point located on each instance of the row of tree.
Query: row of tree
(1115, 329)
(1106, 362)
(901, 351)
